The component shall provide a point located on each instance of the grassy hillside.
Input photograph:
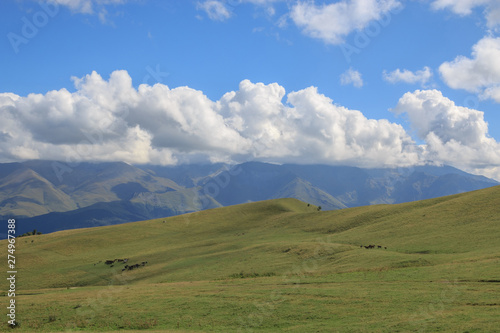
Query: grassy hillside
(278, 265)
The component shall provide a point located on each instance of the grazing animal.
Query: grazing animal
(385, 247)
(109, 262)
(379, 246)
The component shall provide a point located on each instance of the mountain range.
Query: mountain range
(51, 195)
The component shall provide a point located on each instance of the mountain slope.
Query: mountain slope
(249, 182)
(38, 187)
(23, 192)
(89, 183)
(142, 206)
(360, 187)
(304, 191)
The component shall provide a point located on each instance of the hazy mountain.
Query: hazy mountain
(360, 187)
(64, 196)
(304, 191)
(185, 175)
(23, 192)
(345, 186)
(38, 187)
(143, 206)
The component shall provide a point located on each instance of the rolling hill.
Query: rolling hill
(273, 266)
(51, 196)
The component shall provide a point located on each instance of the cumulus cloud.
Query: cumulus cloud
(479, 73)
(111, 120)
(215, 10)
(422, 76)
(105, 120)
(465, 7)
(310, 127)
(453, 134)
(353, 77)
(332, 22)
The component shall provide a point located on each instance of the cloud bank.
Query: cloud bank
(110, 120)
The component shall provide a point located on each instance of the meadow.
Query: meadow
(271, 266)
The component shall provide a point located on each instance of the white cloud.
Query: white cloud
(332, 22)
(453, 134)
(353, 77)
(493, 93)
(86, 6)
(220, 10)
(422, 76)
(311, 128)
(479, 73)
(261, 2)
(216, 10)
(111, 120)
(465, 7)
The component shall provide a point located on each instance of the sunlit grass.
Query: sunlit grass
(270, 266)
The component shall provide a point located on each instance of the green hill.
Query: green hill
(277, 265)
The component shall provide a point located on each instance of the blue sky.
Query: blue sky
(277, 81)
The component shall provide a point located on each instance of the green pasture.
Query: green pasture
(273, 266)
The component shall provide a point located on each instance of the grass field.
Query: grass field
(274, 266)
